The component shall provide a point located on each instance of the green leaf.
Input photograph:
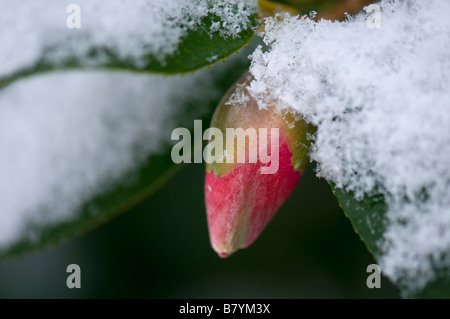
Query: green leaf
(141, 181)
(369, 219)
(198, 48)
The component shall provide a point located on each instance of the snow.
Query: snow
(30, 30)
(380, 98)
(67, 136)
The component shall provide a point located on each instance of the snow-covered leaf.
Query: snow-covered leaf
(377, 88)
(77, 148)
(143, 35)
(369, 220)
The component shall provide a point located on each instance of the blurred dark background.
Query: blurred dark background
(160, 249)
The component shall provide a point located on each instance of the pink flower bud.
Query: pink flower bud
(242, 197)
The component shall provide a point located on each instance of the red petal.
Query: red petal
(241, 203)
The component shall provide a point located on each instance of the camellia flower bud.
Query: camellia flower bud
(243, 192)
